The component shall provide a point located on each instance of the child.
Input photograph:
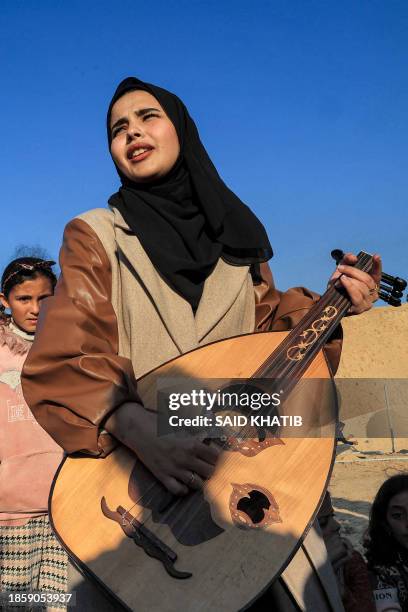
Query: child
(30, 556)
(387, 545)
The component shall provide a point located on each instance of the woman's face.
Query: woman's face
(144, 142)
(24, 301)
(397, 517)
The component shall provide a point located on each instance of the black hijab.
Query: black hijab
(188, 219)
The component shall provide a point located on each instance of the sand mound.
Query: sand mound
(372, 378)
(376, 344)
(373, 384)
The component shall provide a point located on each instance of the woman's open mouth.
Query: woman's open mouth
(136, 154)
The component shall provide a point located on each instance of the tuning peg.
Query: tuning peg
(337, 255)
(386, 297)
(396, 282)
(393, 292)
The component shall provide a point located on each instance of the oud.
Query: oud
(219, 548)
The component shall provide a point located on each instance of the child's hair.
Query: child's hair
(381, 546)
(22, 269)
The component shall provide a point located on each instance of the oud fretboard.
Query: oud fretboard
(294, 355)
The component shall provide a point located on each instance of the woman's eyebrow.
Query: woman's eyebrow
(397, 507)
(138, 113)
(144, 111)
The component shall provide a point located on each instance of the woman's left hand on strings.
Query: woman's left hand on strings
(361, 287)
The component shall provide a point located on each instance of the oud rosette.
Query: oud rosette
(252, 446)
(253, 507)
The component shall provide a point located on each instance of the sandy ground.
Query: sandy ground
(353, 486)
(373, 383)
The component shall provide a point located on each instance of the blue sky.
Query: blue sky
(302, 106)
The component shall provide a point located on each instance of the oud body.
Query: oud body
(226, 554)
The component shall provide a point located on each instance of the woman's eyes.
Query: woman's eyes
(397, 516)
(150, 115)
(120, 128)
(116, 131)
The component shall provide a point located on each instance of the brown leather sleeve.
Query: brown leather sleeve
(280, 311)
(73, 378)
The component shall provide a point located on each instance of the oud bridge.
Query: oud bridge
(143, 537)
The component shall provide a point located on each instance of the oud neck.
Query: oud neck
(294, 355)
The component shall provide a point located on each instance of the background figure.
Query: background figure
(387, 545)
(30, 556)
(348, 565)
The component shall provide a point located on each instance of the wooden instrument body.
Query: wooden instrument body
(230, 570)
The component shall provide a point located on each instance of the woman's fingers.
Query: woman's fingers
(191, 479)
(204, 469)
(376, 270)
(358, 275)
(207, 452)
(349, 259)
(180, 464)
(172, 484)
(361, 287)
(186, 466)
(347, 267)
(358, 293)
(199, 460)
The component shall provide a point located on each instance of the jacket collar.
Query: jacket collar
(221, 289)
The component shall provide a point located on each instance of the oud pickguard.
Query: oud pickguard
(199, 525)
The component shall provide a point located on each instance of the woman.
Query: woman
(30, 556)
(172, 265)
(387, 544)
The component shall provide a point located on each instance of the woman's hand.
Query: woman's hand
(361, 287)
(180, 464)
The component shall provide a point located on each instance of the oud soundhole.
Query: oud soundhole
(254, 506)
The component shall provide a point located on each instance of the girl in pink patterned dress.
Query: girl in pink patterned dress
(30, 556)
